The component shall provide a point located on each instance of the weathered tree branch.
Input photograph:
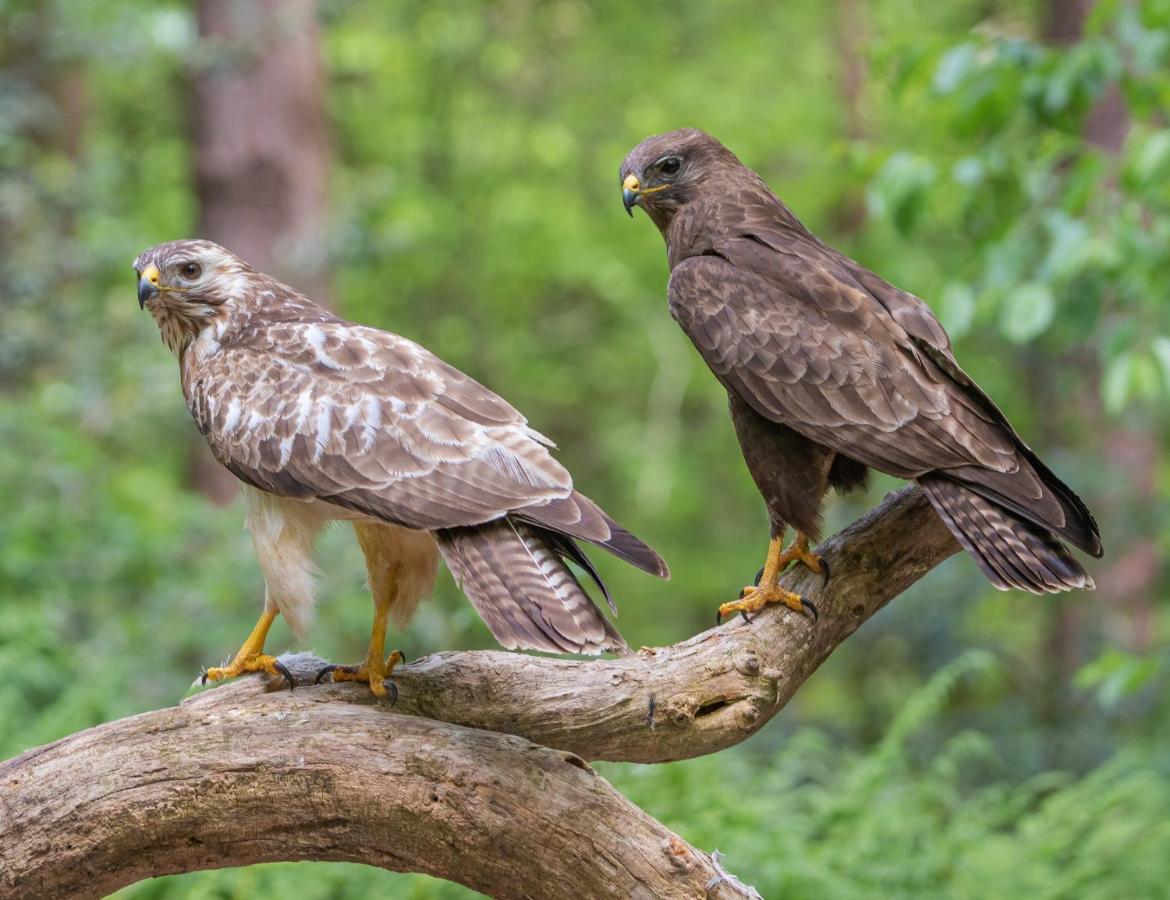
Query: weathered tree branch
(236, 776)
(709, 692)
(228, 779)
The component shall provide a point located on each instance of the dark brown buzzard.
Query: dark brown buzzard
(830, 371)
(324, 419)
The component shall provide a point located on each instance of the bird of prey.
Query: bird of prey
(324, 419)
(831, 371)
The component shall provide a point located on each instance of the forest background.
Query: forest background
(448, 171)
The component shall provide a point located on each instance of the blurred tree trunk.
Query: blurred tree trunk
(848, 213)
(261, 151)
(1129, 580)
(46, 132)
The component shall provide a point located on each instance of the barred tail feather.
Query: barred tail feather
(1011, 551)
(523, 590)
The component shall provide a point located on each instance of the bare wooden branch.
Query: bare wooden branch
(237, 775)
(698, 696)
(229, 779)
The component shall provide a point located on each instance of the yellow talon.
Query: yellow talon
(373, 672)
(251, 657)
(798, 551)
(755, 597)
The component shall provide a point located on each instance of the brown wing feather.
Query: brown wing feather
(829, 368)
(798, 338)
(301, 404)
(373, 422)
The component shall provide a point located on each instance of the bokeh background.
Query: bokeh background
(448, 170)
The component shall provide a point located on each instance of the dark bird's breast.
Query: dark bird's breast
(791, 472)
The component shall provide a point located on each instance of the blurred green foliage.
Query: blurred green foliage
(475, 209)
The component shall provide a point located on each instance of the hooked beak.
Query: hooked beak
(148, 285)
(631, 191)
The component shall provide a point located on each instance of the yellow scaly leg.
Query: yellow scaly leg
(753, 598)
(252, 657)
(375, 671)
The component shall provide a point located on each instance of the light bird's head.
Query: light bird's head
(186, 284)
(665, 171)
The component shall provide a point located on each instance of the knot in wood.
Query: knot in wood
(747, 663)
(679, 853)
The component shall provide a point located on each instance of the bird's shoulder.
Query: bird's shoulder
(346, 362)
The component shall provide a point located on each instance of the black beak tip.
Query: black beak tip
(146, 290)
(629, 198)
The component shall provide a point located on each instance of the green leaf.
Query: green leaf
(1116, 675)
(1115, 382)
(899, 191)
(955, 65)
(1151, 163)
(1160, 347)
(1027, 312)
(957, 308)
(1144, 377)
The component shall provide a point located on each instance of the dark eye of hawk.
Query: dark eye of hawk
(669, 165)
(190, 269)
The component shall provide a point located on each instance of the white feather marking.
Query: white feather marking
(286, 448)
(304, 409)
(207, 343)
(315, 335)
(324, 418)
(283, 533)
(372, 422)
(233, 417)
(504, 461)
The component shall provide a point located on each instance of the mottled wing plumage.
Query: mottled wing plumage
(369, 421)
(807, 346)
(372, 422)
(831, 369)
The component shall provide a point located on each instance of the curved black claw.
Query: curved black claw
(283, 670)
(810, 607)
(746, 617)
(719, 615)
(391, 691)
(824, 572)
(327, 670)
(203, 675)
(759, 576)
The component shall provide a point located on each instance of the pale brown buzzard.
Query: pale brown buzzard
(324, 419)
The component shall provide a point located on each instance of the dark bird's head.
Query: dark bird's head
(187, 284)
(666, 171)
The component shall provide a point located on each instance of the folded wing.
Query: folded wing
(374, 423)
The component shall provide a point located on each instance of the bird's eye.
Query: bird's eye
(670, 165)
(190, 269)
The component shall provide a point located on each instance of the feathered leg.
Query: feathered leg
(401, 565)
